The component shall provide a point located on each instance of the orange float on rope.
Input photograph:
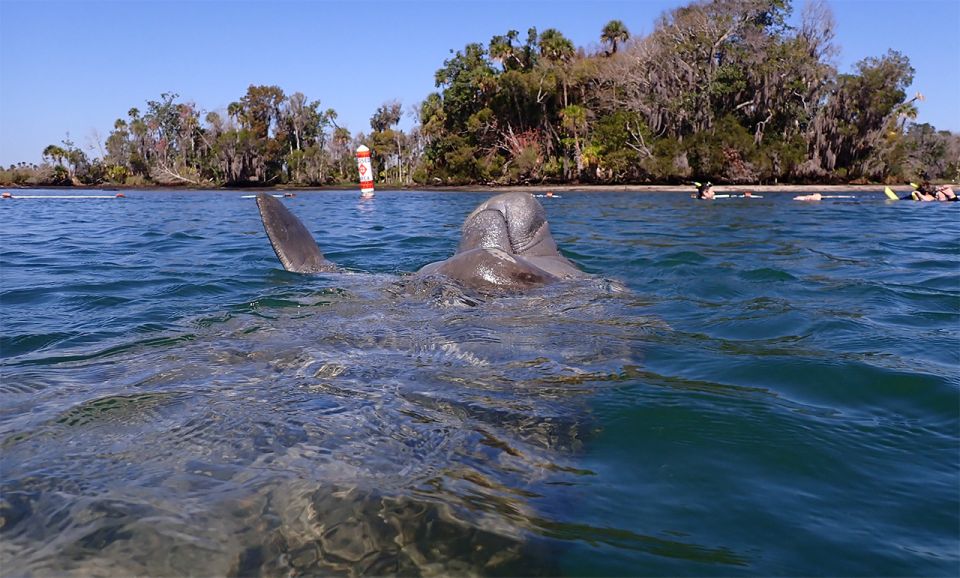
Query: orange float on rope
(365, 168)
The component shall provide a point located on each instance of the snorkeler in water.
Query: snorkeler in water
(705, 190)
(944, 193)
(928, 192)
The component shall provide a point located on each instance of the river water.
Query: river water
(746, 387)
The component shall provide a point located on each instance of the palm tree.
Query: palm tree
(907, 111)
(234, 110)
(502, 50)
(555, 46)
(341, 139)
(54, 152)
(614, 32)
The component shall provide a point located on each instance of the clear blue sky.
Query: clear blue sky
(76, 66)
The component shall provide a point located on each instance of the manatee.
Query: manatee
(505, 244)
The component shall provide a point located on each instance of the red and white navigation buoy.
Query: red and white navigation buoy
(366, 172)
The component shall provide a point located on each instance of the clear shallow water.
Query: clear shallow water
(749, 387)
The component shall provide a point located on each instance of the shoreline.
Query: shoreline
(677, 188)
(720, 189)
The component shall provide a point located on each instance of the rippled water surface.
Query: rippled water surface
(747, 387)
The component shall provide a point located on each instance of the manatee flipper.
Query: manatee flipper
(292, 242)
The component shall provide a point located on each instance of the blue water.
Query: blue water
(746, 387)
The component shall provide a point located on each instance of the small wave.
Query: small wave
(95, 302)
(681, 258)
(622, 538)
(766, 274)
(192, 289)
(66, 358)
(14, 346)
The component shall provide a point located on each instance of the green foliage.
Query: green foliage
(525, 166)
(614, 33)
(611, 156)
(723, 154)
(779, 158)
(720, 89)
(670, 161)
(117, 174)
(556, 47)
(468, 81)
(18, 175)
(60, 176)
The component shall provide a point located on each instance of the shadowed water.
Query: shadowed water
(747, 387)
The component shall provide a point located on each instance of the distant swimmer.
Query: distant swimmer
(819, 197)
(944, 193)
(705, 190)
(928, 193)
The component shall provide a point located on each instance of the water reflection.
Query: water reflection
(376, 425)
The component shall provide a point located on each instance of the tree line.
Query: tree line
(725, 90)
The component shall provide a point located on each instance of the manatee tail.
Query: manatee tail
(291, 241)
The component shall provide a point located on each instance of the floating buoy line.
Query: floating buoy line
(9, 195)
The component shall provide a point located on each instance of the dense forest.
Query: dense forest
(724, 90)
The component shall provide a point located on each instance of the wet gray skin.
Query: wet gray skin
(505, 244)
(291, 241)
